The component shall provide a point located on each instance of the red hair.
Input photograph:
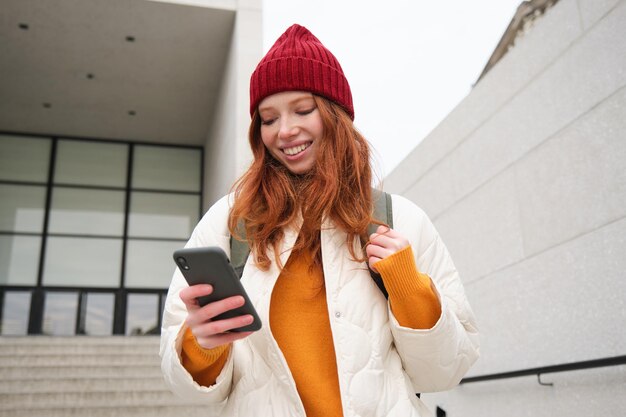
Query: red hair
(269, 197)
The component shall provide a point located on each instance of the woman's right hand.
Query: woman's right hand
(208, 333)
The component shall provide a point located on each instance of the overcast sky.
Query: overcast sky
(408, 62)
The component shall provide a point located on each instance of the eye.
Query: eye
(305, 112)
(267, 122)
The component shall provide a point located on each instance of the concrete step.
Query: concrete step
(79, 360)
(89, 399)
(59, 372)
(82, 340)
(140, 411)
(86, 376)
(77, 349)
(47, 340)
(56, 385)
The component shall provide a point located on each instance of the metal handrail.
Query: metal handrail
(572, 366)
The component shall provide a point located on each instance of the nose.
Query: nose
(287, 128)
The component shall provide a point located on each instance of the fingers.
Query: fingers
(214, 309)
(190, 294)
(372, 263)
(376, 254)
(389, 239)
(382, 229)
(208, 332)
(217, 327)
(221, 339)
(384, 243)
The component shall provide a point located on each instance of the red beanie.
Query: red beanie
(299, 62)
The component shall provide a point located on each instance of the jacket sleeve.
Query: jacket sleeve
(437, 358)
(211, 231)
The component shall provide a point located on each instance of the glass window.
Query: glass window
(164, 168)
(98, 320)
(59, 314)
(24, 158)
(83, 262)
(19, 259)
(22, 208)
(149, 264)
(15, 311)
(163, 215)
(87, 212)
(141, 316)
(91, 163)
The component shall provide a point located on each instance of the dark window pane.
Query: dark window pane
(59, 316)
(141, 317)
(98, 319)
(15, 311)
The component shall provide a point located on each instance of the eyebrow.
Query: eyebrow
(292, 102)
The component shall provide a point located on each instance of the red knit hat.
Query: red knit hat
(299, 62)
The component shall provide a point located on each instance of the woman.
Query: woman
(331, 343)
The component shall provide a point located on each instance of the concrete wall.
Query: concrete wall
(227, 153)
(526, 182)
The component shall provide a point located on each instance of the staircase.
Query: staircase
(118, 376)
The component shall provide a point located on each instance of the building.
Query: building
(120, 122)
(526, 182)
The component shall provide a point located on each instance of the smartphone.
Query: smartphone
(210, 265)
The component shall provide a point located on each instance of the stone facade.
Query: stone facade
(526, 182)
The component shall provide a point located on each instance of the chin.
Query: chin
(300, 171)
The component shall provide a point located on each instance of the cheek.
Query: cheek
(318, 132)
(318, 127)
(266, 137)
(268, 140)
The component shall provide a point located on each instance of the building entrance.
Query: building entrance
(87, 229)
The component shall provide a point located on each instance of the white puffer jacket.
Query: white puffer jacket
(381, 364)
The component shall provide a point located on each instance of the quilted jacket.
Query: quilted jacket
(380, 363)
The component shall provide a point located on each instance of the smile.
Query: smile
(296, 149)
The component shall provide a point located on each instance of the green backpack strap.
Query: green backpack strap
(239, 249)
(382, 212)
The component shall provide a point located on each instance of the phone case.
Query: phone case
(210, 265)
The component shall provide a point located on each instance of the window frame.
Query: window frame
(121, 293)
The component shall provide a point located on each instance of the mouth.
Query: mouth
(295, 150)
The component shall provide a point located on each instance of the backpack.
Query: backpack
(239, 250)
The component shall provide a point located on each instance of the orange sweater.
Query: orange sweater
(300, 324)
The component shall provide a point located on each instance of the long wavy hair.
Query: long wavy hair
(269, 197)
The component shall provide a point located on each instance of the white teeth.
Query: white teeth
(296, 149)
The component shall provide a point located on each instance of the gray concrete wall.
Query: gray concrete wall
(227, 153)
(526, 182)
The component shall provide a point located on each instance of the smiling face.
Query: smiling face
(291, 128)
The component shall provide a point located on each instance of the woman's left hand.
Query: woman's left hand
(383, 243)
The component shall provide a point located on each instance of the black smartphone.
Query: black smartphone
(210, 265)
